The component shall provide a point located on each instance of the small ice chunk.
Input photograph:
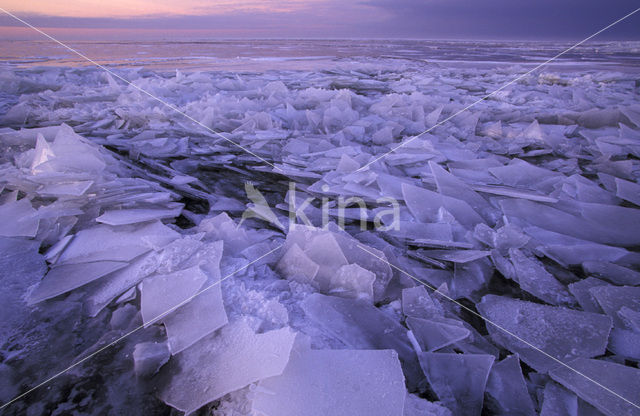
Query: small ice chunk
(613, 298)
(296, 265)
(425, 206)
(383, 136)
(613, 272)
(19, 219)
(417, 303)
(137, 215)
(76, 188)
(458, 379)
(535, 279)
(625, 343)
(560, 332)
(61, 279)
(581, 291)
(508, 389)
(621, 379)
(451, 186)
(223, 362)
(558, 401)
(352, 281)
(323, 249)
(457, 256)
(630, 317)
(629, 191)
(161, 293)
(148, 357)
(433, 335)
(521, 174)
(334, 382)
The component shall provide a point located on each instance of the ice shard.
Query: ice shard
(334, 382)
(560, 332)
(223, 362)
(358, 324)
(459, 380)
(508, 389)
(612, 388)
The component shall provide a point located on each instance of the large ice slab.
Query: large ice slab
(358, 324)
(20, 219)
(560, 332)
(224, 362)
(103, 242)
(334, 382)
(21, 266)
(433, 335)
(188, 302)
(459, 380)
(64, 278)
(613, 298)
(535, 279)
(622, 380)
(137, 215)
(508, 389)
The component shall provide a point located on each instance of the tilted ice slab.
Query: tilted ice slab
(507, 387)
(223, 362)
(334, 263)
(613, 298)
(137, 215)
(334, 382)
(103, 242)
(562, 333)
(188, 302)
(358, 324)
(21, 266)
(66, 277)
(458, 379)
(622, 380)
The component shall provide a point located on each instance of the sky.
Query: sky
(428, 19)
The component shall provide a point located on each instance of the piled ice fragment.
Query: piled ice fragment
(524, 211)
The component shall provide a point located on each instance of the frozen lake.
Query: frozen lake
(320, 227)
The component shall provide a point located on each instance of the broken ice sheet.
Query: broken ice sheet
(191, 317)
(21, 266)
(352, 281)
(556, 400)
(64, 278)
(433, 335)
(560, 332)
(535, 279)
(359, 324)
(622, 380)
(458, 379)
(334, 382)
(222, 362)
(613, 298)
(508, 389)
(103, 242)
(23, 219)
(137, 215)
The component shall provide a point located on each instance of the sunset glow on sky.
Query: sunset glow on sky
(443, 19)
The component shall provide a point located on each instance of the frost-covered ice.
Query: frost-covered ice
(523, 209)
